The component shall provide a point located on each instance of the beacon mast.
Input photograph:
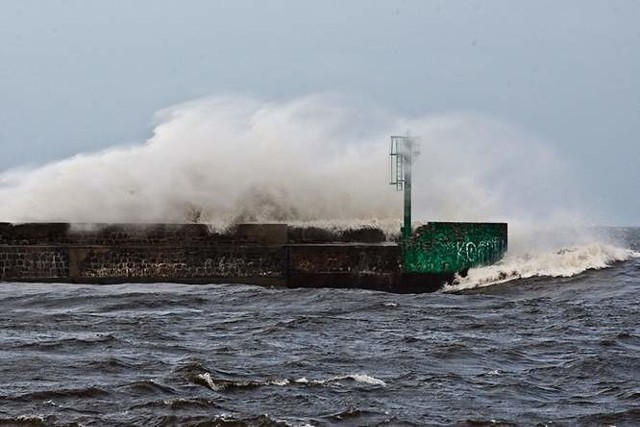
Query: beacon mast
(402, 151)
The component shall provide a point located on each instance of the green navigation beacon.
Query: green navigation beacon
(435, 252)
(402, 150)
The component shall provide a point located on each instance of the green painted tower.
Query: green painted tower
(439, 249)
(402, 151)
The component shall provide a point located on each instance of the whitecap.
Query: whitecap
(206, 377)
(564, 262)
(280, 383)
(366, 379)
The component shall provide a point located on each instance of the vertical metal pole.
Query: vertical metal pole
(407, 154)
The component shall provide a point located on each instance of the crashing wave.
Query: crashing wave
(565, 262)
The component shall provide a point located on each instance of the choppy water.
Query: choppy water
(538, 350)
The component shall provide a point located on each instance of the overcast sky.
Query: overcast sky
(81, 75)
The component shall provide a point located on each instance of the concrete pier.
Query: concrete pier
(263, 254)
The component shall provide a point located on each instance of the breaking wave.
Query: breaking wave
(565, 262)
(207, 380)
(359, 378)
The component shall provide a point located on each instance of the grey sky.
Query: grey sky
(81, 75)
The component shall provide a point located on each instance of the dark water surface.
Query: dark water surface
(555, 351)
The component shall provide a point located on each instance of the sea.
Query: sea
(548, 340)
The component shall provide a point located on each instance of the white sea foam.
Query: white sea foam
(360, 378)
(565, 262)
(31, 419)
(367, 379)
(206, 377)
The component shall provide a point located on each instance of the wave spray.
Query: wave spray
(319, 159)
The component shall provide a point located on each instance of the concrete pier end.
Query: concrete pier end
(261, 254)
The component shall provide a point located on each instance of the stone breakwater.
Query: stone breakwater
(265, 254)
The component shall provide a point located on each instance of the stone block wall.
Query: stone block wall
(177, 234)
(192, 253)
(185, 264)
(345, 266)
(34, 263)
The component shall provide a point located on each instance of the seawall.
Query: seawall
(264, 254)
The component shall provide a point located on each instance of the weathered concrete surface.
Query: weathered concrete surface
(307, 235)
(267, 254)
(192, 253)
(373, 266)
(34, 263)
(264, 234)
(263, 264)
(450, 247)
(137, 234)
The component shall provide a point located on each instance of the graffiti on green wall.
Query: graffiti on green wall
(449, 247)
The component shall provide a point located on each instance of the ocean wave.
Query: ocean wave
(565, 262)
(214, 384)
(217, 420)
(627, 417)
(149, 387)
(27, 420)
(357, 416)
(359, 378)
(68, 393)
(217, 384)
(177, 404)
(65, 343)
